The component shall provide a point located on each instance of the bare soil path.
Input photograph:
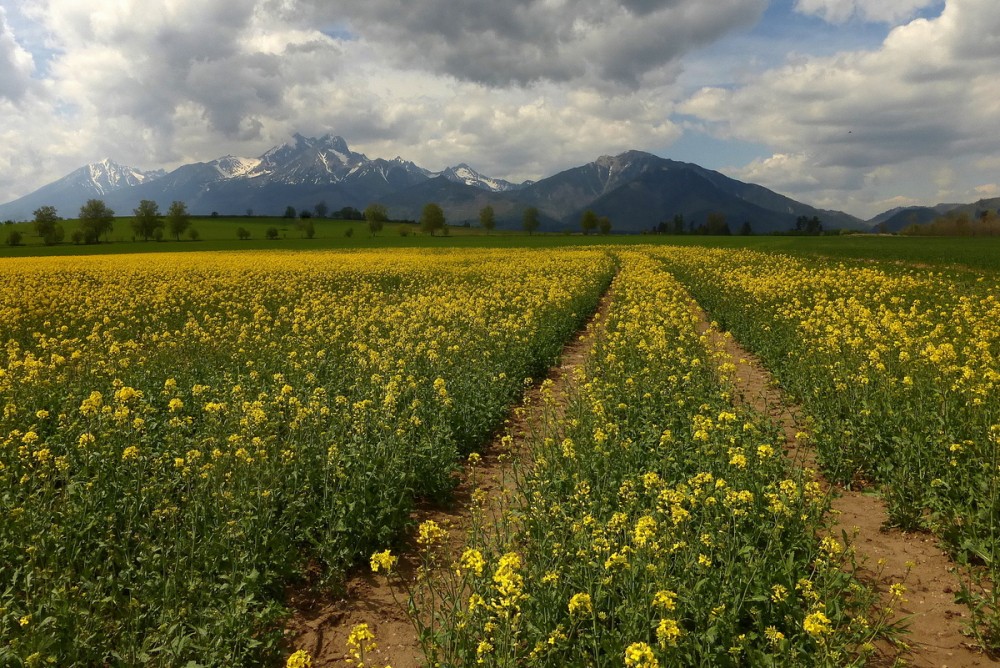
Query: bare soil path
(321, 625)
(928, 611)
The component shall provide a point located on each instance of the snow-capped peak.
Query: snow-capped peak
(231, 166)
(108, 176)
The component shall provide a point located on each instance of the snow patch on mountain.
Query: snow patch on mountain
(108, 176)
(232, 166)
(462, 173)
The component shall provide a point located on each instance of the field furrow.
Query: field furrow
(657, 525)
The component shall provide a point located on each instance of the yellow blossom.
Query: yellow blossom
(580, 604)
(430, 533)
(817, 624)
(667, 632)
(472, 560)
(640, 655)
(299, 659)
(384, 560)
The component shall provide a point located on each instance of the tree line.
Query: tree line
(985, 223)
(97, 221)
(716, 225)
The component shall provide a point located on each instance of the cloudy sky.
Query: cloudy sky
(858, 105)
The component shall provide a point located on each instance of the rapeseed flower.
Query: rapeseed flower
(430, 533)
(640, 655)
(817, 624)
(472, 560)
(580, 604)
(384, 561)
(668, 632)
(299, 659)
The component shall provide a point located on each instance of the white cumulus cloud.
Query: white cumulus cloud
(926, 96)
(16, 64)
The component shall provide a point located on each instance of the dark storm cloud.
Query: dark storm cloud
(218, 56)
(643, 7)
(521, 42)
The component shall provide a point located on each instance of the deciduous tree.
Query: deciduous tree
(178, 219)
(47, 225)
(432, 218)
(530, 220)
(487, 219)
(376, 216)
(146, 219)
(716, 224)
(588, 222)
(679, 223)
(808, 225)
(96, 220)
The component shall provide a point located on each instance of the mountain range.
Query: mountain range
(636, 190)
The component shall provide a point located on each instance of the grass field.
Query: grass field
(220, 234)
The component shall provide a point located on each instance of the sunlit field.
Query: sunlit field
(898, 365)
(186, 436)
(659, 525)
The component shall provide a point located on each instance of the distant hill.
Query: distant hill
(898, 219)
(978, 207)
(636, 190)
(906, 216)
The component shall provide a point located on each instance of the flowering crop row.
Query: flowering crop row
(898, 366)
(657, 524)
(182, 435)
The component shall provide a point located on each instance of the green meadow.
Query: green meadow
(220, 233)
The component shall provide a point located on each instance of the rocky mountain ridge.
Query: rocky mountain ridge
(637, 190)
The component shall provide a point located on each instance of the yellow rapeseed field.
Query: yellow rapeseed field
(899, 367)
(183, 434)
(658, 524)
